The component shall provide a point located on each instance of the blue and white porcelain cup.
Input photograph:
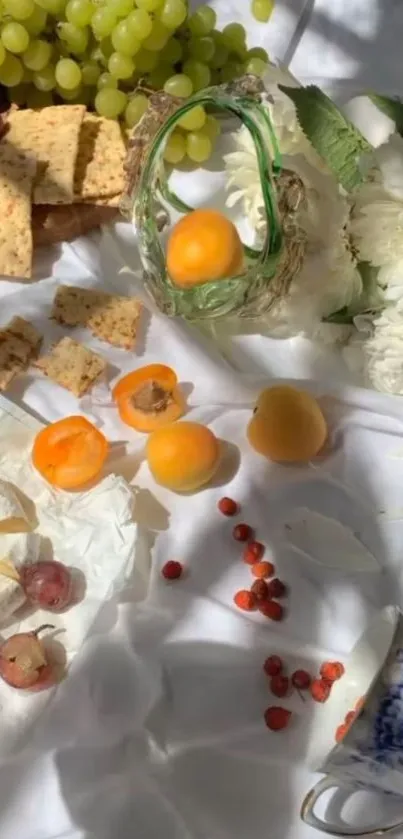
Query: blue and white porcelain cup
(368, 752)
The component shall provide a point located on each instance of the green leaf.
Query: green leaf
(334, 137)
(392, 108)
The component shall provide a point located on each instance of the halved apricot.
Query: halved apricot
(70, 452)
(149, 397)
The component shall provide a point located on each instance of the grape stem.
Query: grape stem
(42, 628)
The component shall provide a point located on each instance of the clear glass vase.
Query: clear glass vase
(268, 272)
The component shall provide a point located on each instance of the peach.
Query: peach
(287, 425)
(183, 456)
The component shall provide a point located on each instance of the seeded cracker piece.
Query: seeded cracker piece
(17, 173)
(51, 136)
(52, 224)
(116, 320)
(73, 306)
(101, 154)
(72, 366)
(19, 344)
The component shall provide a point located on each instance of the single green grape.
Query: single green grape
(19, 9)
(198, 146)
(175, 148)
(54, 7)
(122, 8)
(158, 37)
(110, 103)
(202, 49)
(68, 73)
(69, 95)
(106, 80)
(194, 119)
(160, 75)
(173, 14)
(146, 61)
(140, 23)
(14, 37)
(2, 53)
(234, 35)
(106, 50)
(121, 66)
(19, 94)
(38, 98)
(135, 109)
(212, 128)
(198, 73)
(232, 70)
(38, 55)
(90, 72)
(262, 10)
(36, 22)
(220, 57)
(203, 21)
(149, 5)
(172, 52)
(258, 52)
(103, 22)
(75, 37)
(45, 79)
(11, 71)
(179, 85)
(256, 66)
(123, 39)
(79, 12)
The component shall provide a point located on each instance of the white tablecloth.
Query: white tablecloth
(158, 731)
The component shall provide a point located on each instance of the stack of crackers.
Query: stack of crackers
(61, 175)
(111, 318)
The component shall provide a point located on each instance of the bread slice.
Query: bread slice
(19, 344)
(73, 366)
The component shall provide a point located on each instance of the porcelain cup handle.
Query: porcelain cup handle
(308, 815)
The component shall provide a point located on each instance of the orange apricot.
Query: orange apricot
(287, 425)
(149, 397)
(183, 456)
(70, 452)
(204, 246)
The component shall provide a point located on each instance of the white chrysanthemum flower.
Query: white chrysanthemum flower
(328, 280)
(377, 351)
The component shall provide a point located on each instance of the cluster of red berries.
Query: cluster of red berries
(262, 595)
(342, 729)
(282, 685)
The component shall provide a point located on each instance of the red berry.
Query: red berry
(245, 600)
(301, 679)
(259, 589)
(341, 732)
(320, 690)
(242, 532)
(273, 665)
(172, 570)
(253, 552)
(279, 685)
(277, 588)
(271, 609)
(332, 670)
(227, 506)
(349, 718)
(262, 570)
(277, 718)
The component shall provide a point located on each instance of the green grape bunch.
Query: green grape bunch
(110, 54)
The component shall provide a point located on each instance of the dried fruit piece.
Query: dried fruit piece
(279, 685)
(245, 600)
(301, 679)
(273, 665)
(271, 609)
(263, 570)
(259, 589)
(277, 718)
(320, 690)
(277, 588)
(332, 670)
(242, 532)
(227, 506)
(172, 570)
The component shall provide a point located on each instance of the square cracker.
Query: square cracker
(110, 318)
(72, 366)
(101, 155)
(19, 344)
(51, 136)
(64, 223)
(17, 173)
